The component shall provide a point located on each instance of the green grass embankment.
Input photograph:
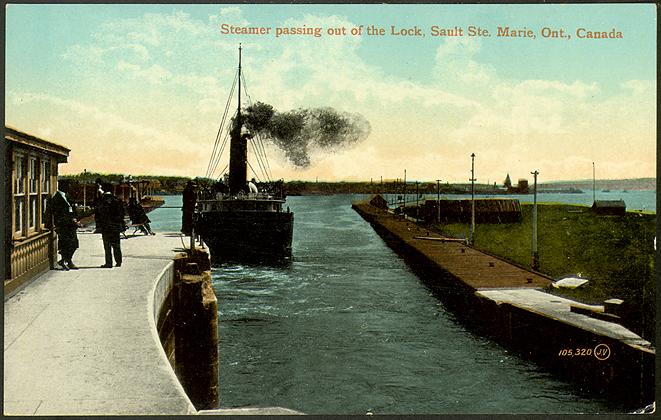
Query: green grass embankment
(615, 253)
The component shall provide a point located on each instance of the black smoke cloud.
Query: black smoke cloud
(300, 131)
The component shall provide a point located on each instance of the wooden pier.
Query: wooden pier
(475, 269)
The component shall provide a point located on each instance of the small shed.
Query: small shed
(609, 207)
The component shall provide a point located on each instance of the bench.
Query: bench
(136, 227)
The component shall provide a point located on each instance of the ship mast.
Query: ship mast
(238, 148)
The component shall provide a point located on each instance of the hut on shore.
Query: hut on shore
(609, 207)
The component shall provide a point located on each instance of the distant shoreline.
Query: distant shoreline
(165, 185)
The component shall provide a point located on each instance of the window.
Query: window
(18, 216)
(45, 187)
(19, 194)
(32, 175)
(19, 171)
(45, 176)
(33, 184)
(33, 211)
(44, 204)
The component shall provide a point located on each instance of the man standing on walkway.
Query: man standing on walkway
(60, 215)
(97, 201)
(189, 198)
(111, 224)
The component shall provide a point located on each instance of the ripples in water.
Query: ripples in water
(347, 328)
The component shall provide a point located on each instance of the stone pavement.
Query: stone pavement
(82, 342)
(559, 308)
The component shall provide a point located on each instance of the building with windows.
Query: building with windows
(30, 248)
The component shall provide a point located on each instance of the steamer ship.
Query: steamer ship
(241, 223)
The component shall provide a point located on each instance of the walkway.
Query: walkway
(559, 308)
(473, 268)
(82, 342)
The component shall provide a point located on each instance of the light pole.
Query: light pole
(438, 201)
(405, 191)
(472, 180)
(535, 253)
(417, 199)
(84, 189)
(594, 186)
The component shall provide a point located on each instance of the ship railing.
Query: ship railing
(243, 196)
(260, 196)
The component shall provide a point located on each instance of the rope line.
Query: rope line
(223, 171)
(258, 144)
(215, 155)
(259, 160)
(253, 172)
(222, 149)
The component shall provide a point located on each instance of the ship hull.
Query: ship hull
(247, 235)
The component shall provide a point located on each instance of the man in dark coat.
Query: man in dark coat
(189, 200)
(97, 199)
(61, 216)
(111, 224)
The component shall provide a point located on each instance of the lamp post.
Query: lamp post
(417, 199)
(472, 180)
(438, 201)
(594, 186)
(535, 253)
(404, 191)
(84, 189)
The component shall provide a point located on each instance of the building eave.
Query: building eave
(20, 137)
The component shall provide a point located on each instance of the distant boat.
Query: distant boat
(606, 191)
(243, 223)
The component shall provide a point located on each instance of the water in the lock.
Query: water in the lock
(347, 328)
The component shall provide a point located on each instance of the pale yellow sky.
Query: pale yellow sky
(141, 91)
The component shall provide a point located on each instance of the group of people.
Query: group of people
(109, 218)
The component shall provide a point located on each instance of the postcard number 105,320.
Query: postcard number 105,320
(600, 351)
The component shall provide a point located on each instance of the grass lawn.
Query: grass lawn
(615, 253)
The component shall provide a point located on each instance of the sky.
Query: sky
(141, 89)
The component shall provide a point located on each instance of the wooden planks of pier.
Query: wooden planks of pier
(474, 268)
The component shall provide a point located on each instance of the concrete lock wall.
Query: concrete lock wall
(163, 311)
(627, 371)
(187, 325)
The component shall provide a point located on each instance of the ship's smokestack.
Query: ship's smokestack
(238, 159)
